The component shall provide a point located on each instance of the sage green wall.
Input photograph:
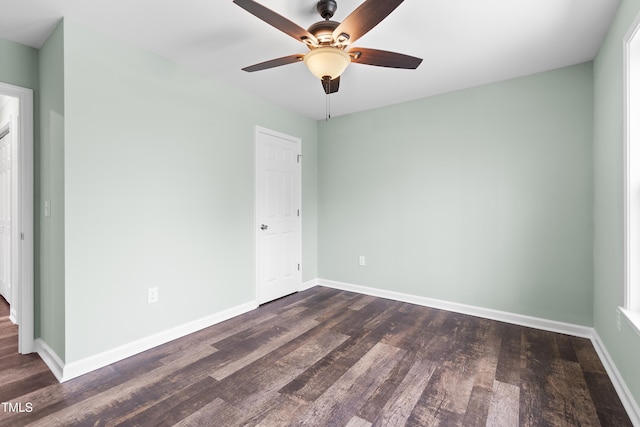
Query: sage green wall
(159, 191)
(49, 178)
(19, 65)
(623, 346)
(480, 197)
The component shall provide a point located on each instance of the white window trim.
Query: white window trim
(633, 318)
(631, 305)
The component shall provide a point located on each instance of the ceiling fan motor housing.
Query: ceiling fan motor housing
(326, 8)
(323, 31)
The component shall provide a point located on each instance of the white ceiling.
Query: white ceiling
(463, 43)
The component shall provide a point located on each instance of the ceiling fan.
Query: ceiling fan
(329, 41)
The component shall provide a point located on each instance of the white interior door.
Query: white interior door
(5, 213)
(278, 216)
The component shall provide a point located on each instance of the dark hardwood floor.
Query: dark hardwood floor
(325, 357)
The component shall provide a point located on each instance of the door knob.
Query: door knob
(264, 227)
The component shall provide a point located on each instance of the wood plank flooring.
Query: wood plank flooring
(325, 357)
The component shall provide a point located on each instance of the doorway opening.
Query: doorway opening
(8, 206)
(16, 209)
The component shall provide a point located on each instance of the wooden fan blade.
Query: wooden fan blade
(383, 58)
(276, 20)
(364, 18)
(274, 63)
(331, 86)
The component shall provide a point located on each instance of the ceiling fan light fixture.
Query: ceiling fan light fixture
(327, 61)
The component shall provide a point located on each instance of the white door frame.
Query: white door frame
(261, 130)
(24, 222)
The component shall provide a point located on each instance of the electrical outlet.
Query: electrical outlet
(362, 261)
(152, 295)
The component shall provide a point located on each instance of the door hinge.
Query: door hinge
(299, 157)
(21, 236)
(298, 212)
(298, 267)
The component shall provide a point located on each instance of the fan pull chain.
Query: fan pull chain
(327, 113)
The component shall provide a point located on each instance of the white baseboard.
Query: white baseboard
(629, 403)
(50, 358)
(65, 372)
(487, 313)
(308, 285)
